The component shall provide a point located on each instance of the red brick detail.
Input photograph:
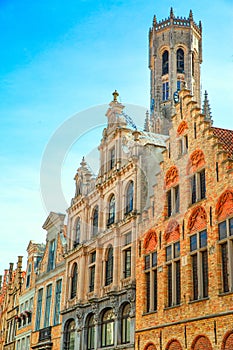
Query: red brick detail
(150, 347)
(172, 176)
(198, 219)
(173, 344)
(197, 159)
(172, 232)
(182, 127)
(150, 241)
(227, 343)
(201, 343)
(224, 205)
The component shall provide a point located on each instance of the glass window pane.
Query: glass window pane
(203, 239)
(193, 243)
(222, 230)
(147, 262)
(154, 259)
(176, 249)
(168, 253)
(231, 227)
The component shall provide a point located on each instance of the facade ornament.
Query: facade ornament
(131, 295)
(172, 231)
(172, 176)
(80, 316)
(115, 96)
(115, 305)
(197, 219)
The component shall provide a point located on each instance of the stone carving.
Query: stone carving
(182, 127)
(225, 204)
(131, 295)
(197, 159)
(115, 305)
(172, 232)
(172, 176)
(80, 316)
(150, 241)
(197, 219)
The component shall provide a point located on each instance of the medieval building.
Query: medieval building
(99, 308)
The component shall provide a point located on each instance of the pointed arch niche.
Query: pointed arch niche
(172, 232)
(197, 220)
(224, 206)
(150, 241)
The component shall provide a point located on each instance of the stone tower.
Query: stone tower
(175, 56)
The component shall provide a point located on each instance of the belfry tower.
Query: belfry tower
(175, 56)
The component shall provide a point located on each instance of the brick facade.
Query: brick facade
(202, 321)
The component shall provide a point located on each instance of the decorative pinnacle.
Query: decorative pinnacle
(191, 15)
(154, 20)
(115, 95)
(171, 13)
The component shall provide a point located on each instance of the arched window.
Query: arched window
(180, 61)
(69, 335)
(111, 210)
(125, 324)
(77, 232)
(74, 277)
(95, 222)
(129, 198)
(165, 63)
(90, 333)
(109, 267)
(107, 331)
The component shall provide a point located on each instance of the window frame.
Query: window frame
(77, 232)
(74, 281)
(111, 210)
(105, 329)
(90, 332)
(129, 202)
(57, 306)
(51, 255)
(39, 308)
(173, 264)
(199, 266)
(165, 91)
(151, 277)
(48, 301)
(227, 265)
(173, 206)
(109, 266)
(125, 325)
(198, 193)
(95, 221)
(165, 62)
(180, 60)
(92, 265)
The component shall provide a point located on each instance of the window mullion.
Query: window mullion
(230, 263)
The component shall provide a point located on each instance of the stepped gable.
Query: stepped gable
(225, 136)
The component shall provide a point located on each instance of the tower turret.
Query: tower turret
(175, 56)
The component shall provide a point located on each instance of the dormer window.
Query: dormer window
(180, 61)
(51, 258)
(112, 158)
(77, 232)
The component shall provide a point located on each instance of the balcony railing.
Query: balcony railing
(45, 334)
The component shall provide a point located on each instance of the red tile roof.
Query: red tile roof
(225, 137)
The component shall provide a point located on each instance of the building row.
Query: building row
(145, 258)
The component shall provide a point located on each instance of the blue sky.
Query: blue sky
(60, 58)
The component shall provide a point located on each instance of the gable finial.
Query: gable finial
(191, 15)
(171, 13)
(206, 110)
(115, 95)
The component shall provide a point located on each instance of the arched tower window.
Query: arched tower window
(180, 61)
(109, 267)
(77, 232)
(74, 278)
(95, 222)
(69, 335)
(111, 210)
(165, 63)
(129, 198)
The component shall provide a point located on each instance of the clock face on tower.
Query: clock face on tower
(176, 97)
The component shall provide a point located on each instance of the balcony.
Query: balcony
(45, 334)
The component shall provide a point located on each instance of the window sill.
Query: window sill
(172, 307)
(222, 294)
(198, 201)
(149, 313)
(198, 300)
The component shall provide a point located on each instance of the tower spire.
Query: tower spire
(206, 108)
